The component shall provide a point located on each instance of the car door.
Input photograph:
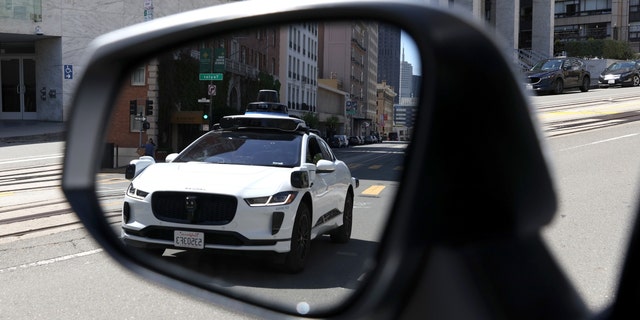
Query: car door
(320, 187)
(571, 73)
(336, 187)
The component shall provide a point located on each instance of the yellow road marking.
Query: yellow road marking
(6, 194)
(374, 190)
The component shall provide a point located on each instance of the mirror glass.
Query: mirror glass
(290, 210)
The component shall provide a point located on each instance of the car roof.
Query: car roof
(264, 121)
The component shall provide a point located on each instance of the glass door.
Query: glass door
(18, 79)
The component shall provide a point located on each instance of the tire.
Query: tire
(343, 233)
(558, 86)
(636, 81)
(296, 258)
(586, 82)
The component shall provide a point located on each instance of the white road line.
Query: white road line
(33, 159)
(50, 261)
(600, 141)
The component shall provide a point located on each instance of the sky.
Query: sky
(411, 53)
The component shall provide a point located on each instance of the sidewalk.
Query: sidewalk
(25, 131)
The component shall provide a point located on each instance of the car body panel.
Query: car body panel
(216, 165)
(543, 76)
(620, 73)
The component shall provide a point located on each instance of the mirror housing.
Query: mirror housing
(136, 166)
(300, 179)
(323, 166)
(171, 157)
(433, 238)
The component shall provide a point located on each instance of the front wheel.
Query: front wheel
(296, 259)
(636, 80)
(558, 86)
(343, 233)
(585, 84)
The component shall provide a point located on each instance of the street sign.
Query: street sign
(68, 71)
(140, 118)
(211, 76)
(212, 89)
(205, 60)
(219, 62)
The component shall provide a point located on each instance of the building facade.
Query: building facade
(389, 56)
(42, 46)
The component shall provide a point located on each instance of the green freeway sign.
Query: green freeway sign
(211, 76)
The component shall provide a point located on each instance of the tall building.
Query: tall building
(406, 79)
(389, 56)
(299, 67)
(349, 57)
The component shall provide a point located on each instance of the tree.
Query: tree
(602, 48)
(332, 124)
(311, 119)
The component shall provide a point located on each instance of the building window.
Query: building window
(138, 76)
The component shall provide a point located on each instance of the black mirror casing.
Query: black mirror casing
(130, 171)
(439, 257)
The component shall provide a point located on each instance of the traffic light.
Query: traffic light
(133, 107)
(148, 107)
(205, 113)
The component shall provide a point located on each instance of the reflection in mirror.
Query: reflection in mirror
(266, 160)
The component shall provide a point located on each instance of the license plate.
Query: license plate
(529, 86)
(612, 81)
(188, 239)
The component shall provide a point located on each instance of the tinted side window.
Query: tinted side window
(326, 150)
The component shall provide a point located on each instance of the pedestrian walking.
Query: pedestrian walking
(149, 148)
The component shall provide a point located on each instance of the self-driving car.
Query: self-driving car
(259, 184)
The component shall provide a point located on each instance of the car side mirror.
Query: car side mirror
(324, 166)
(431, 249)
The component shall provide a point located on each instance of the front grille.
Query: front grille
(193, 208)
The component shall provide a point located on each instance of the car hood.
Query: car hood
(213, 178)
(617, 71)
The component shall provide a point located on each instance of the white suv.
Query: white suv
(261, 183)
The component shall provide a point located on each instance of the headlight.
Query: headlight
(273, 200)
(136, 193)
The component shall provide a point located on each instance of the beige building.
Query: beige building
(384, 109)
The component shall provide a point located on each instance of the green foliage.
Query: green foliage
(601, 48)
(311, 119)
(176, 72)
(332, 122)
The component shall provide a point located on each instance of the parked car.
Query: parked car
(555, 75)
(334, 142)
(354, 141)
(344, 141)
(620, 73)
(258, 185)
(369, 139)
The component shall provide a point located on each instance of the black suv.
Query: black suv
(556, 74)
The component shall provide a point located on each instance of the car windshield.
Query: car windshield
(621, 65)
(258, 148)
(554, 64)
